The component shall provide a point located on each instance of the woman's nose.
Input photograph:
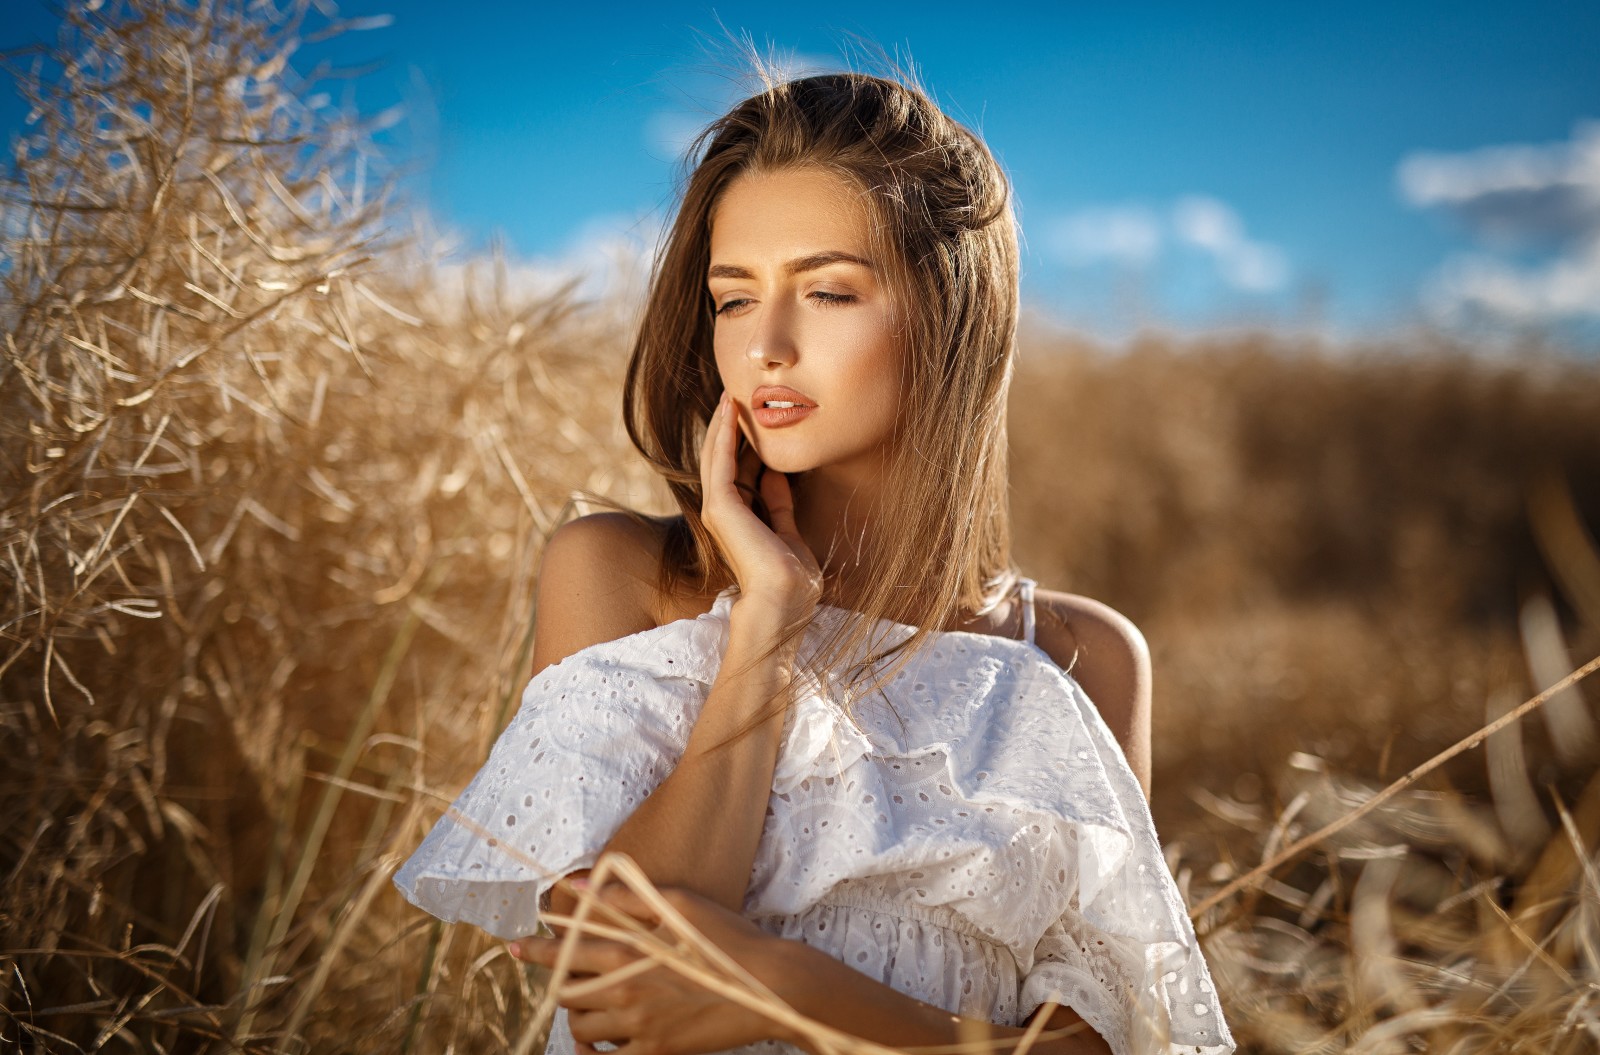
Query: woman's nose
(772, 343)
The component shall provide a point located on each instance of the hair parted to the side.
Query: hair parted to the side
(944, 233)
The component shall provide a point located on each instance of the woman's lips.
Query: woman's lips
(779, 417)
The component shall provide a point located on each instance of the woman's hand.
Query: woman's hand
(773, 564)
(659, 1010)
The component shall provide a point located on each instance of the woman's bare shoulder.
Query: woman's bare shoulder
(1108, 657)
(1074, 620)
(596, 584)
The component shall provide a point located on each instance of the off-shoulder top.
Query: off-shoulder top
(983, 846)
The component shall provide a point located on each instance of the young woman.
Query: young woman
(820, 708)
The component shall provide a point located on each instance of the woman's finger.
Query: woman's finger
(723, 503)
(710, 447)
(780, 504)
(749, 463)
(591, 1027)
(719, 469)
(590, 994)
(589, 955)
(624, 899)
(729, 443)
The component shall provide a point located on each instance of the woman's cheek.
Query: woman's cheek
(876, 377)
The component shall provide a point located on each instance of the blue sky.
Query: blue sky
(1354, 167)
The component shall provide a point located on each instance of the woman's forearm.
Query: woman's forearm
(829, 991)
(700, 827)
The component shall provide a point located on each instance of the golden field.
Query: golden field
(274, 481)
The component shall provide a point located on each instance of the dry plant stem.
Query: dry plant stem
(331, 795)
(1580, 851)
(1256, 874)
(614, 865)
(1567, 545)
(1535, 950)
(355, 916)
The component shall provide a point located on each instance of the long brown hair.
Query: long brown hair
(943, 227)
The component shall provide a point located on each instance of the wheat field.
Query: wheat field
(274, 480)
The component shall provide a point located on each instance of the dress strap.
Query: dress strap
(1026, 585)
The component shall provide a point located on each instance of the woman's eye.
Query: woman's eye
(833, 298)
(732, 307)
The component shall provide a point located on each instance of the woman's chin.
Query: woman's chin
(782, 458)
(798, 461)
(790, 466)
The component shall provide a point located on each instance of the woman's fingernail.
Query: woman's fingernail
(516, 950)
(580, 884)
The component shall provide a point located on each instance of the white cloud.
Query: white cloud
(1122, 234)
(1138, 235)
(1568, 287)
(1207, 223)
(608, 258)
(1516, 196)
(1434, 179)
(1213, 226)
(611, 252)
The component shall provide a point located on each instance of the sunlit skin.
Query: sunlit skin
(793, 309)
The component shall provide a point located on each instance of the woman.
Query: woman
(820, 708)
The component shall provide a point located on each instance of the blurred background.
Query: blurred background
(315, 327)
(1338, 174)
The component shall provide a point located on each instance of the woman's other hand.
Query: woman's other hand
(773, 565)
(660, 1010)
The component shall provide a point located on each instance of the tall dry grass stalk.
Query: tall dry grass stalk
(275, 482)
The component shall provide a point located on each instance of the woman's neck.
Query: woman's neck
(837, 518)
(838, 515)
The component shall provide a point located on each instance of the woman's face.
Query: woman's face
(799, 304)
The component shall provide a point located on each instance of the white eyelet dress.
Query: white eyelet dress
(991, 852)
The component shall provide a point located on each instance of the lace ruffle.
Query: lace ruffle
(594, 735)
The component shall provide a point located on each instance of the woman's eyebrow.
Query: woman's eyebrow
(795, 266)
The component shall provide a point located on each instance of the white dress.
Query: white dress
(993, 850)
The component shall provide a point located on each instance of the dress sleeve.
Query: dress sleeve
(594, 735)
(1122, 951)
(1140, 998)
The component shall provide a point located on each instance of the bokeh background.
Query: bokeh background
(1340, 175)
(315, 324)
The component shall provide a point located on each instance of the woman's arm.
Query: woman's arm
(822, 988)
(701, 826)
(663, 1011)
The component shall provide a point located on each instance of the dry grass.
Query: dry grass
(1346, 561)
(273, 496)
(272, 492)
